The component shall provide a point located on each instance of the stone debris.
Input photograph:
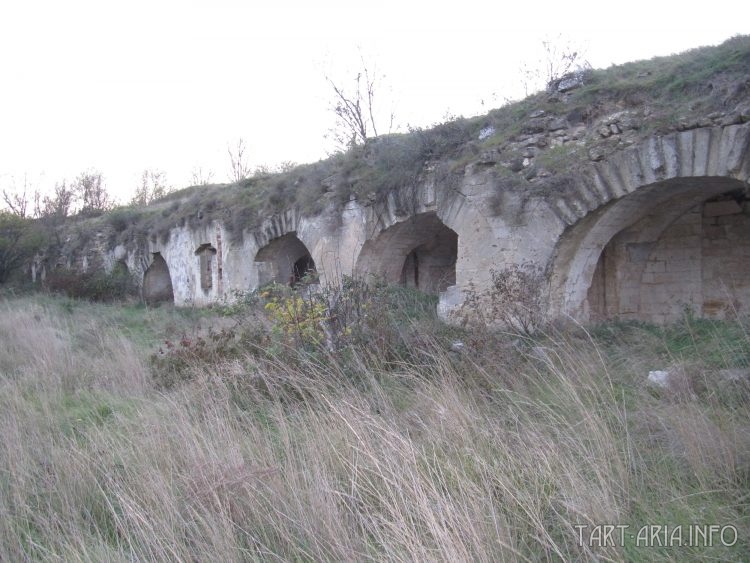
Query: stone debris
(735, 374)
(659, 378)
(457, 346)
(535, 125)
(596, 154)
(557, 124)
(569, 82)
(486, 132)
(733, 118)
(487, 158)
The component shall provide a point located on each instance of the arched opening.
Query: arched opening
(206, 253)
(681, 245)
(303, 268)
(696, 262)
(420, 252)
(157, 284)
(120, 269)
(284, 260)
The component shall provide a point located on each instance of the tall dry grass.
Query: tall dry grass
(496, 454)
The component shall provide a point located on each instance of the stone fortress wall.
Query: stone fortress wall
(646, 232)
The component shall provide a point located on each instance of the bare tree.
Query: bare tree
(60, 203)
(560, 56)
(19, 201)
(90, 189)
(355, 109)
(239, 165)
(201, 177)
(29, 201)
(153, 185)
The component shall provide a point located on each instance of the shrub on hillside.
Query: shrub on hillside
(515, 300)
(20, 239)
(340, 317)
(94, 286)
(296, 325)
(121, 218)
(178, 361)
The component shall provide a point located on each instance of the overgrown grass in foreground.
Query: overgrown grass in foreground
(494, 453)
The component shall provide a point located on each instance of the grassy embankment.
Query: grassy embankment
(679, 91)
(392, 448)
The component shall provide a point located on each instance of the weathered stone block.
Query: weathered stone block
(558, 124)
(714, 232)
(656, 266)
(671, 156)
(639, 251)
(685, 148)
(669, 277)
(719, 208)
(701, 151)
(682, 266)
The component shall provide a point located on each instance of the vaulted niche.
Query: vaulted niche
(284, 260)
(157, 284)
(206, 258)
(419, 252)
(120, 269)
(686, 253)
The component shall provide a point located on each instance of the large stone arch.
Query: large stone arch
(284, 260)
(157, 283)
(420, 251)
(689, 254)
(408, 219)
(645, 189)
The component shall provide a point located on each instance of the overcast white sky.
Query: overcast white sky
(160, 84)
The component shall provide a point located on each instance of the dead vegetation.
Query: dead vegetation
(493, 452)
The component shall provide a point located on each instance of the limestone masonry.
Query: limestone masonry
(647, 233)
(645, 226)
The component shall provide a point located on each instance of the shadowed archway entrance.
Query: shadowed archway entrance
(284, 260)
(676, 246)
(419, 252)
(157, 283)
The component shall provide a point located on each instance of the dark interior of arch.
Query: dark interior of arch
(305, 266)
(284, 260)
(120, 268)
(420, 252)
(206, 253)
(689, 254)
(157, 284)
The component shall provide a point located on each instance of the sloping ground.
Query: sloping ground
(583, 117)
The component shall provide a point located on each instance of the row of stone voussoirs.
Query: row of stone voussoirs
(714, 151)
